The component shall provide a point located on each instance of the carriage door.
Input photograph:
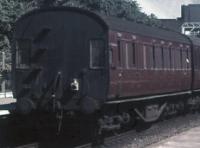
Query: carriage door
(123, 67)
(97, 68)
(121, 64)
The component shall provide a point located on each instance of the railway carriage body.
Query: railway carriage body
(60, 54)
(147, 60)
(74, 60)
(196, 64)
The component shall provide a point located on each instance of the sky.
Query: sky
(165, 8)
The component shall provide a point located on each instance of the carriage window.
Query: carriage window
(163, 60)
(173, 58)
(23, 53)
(111, 56)
(149, 56)
(181, 58)
(154, 57)
(133, 54)
(97, 54)
(198, 59)
(188, 58)
(170, 58)
(158, 57)
(177, 59)
(130, 55)
(184, 59)
(166, 57)
(119, 53)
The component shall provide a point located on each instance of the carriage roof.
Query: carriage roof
(122, 25)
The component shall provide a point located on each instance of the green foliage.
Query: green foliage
(11, 10)
(125, 9)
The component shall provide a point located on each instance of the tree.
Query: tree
(125, 9)
(10, 10)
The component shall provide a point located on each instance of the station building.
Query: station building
(188, 23)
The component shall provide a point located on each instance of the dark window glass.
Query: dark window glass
(145, 57)
(166, 57)
(126, 55)
(111, 56)
(23, 53)
(188, 58)
(170, 57)
(162, 53)
(158, 57)
(133, 54)
(173, 58)
(97, 54)
(119, 53)
(149, 56)
(184, 59)
(140, 56)
(177, 59)
(181, 58)
(130, 55)
(196, 58)
(154, 58)
(198, 61)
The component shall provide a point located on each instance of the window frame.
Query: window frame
(158, 57)
(162, 58)
(133, 54)
(166, 58)
(91, 57)
(188, 57)
(181, 58)
(154, 56)
(119, 54)
(170, 58)
(130, 55)
(19, 54)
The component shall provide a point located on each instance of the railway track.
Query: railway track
(132, 138)
(32, 145)
(157, 132)
(109, 141)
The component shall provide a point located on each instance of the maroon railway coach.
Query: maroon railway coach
(83, 62)
(196, 65)
(147, 60)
